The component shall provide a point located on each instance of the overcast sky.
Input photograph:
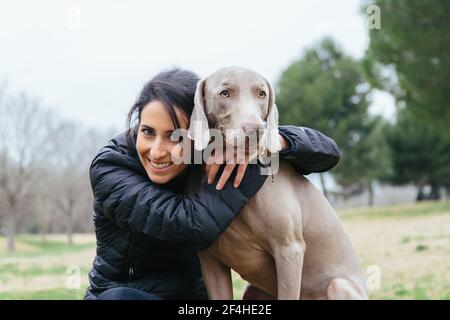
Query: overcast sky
(89, 59)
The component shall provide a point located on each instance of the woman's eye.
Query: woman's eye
(147, 132)
(225, 94)
(262, 94)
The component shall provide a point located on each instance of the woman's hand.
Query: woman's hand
(213, 165)
(215, 161)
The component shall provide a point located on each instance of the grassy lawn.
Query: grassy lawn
(41, 270)
(409, 245)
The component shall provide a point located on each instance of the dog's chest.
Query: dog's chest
(237, 248)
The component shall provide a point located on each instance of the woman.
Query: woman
(148, 230)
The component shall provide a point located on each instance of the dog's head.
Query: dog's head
(240, 103)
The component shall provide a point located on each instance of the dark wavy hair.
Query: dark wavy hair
(175, 88)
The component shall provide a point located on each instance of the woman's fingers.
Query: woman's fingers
(225, 175)
(213, 164)
(211, 172)
(212, 168)
(240, 174)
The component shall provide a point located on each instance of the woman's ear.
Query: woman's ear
(198, 127)
(272, 142)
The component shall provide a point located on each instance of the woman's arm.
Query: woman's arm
(308, 150)
(142, 207)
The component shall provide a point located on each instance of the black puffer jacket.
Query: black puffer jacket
(148, 234)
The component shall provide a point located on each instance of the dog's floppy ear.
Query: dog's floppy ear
(198, 127)
(272, 139)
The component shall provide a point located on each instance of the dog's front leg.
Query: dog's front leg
(289, 265)
(217, 277)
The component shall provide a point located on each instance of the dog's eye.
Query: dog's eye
(262, 94)
(225, 93)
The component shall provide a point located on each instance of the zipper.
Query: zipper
(130, 270)
(129, 261)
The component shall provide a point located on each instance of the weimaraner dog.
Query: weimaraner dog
(287, 241)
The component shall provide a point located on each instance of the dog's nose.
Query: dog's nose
(254, 129)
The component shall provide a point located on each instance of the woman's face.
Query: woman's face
(154, 145)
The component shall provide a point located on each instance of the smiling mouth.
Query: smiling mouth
(159, 165)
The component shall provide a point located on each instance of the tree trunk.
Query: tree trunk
(420, 195)
(43, 236)
(370, 193)
(69, 227)
(69, 234)
(434, 193)
(324, 189)
(11, 230)
(43, 226)
(43, 230)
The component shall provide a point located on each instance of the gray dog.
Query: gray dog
(287, 241)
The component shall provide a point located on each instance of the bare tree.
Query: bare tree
(25, 129)
(43, 207)
(75, 147)
(3, 208)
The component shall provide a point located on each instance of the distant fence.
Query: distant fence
(383, 195)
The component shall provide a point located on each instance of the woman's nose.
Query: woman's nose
(158, 149)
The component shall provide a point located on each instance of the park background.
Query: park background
(373, 75)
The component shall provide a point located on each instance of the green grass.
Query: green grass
(418, 291)
(405, 240)
(52, 294)
(34, 270)
(412, 210)
(409, 243)
(39, 269)
(414, 260)
(421, 247)
(49, 247)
